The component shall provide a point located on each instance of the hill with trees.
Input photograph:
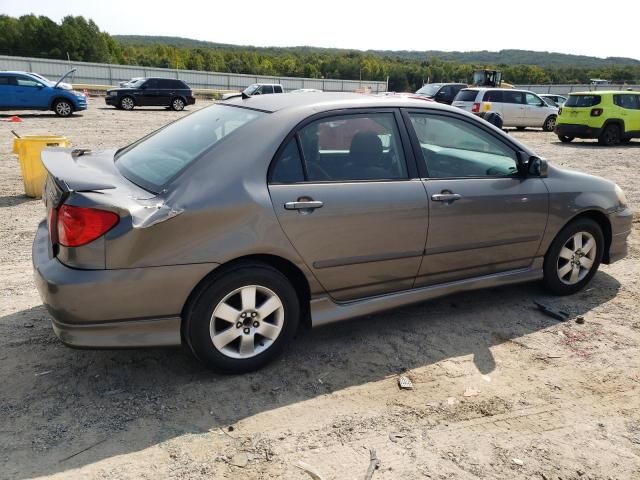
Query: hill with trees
(82, 40)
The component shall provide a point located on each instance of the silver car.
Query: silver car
(515, 108)
(228, 228)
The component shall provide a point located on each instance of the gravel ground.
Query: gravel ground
(500, 390)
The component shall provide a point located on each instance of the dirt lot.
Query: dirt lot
(500, 390)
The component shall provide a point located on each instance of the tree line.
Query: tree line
(80, 39)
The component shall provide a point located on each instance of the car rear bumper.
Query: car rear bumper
(191, 100)
(137, 307)
(621, 224)
(577, 131)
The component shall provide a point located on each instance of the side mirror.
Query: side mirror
(538, 167)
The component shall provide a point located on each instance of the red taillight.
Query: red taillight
(596, 112)
(475, 108)
(79, 225)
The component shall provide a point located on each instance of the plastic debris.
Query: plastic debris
(552, 312)
(14, 119)
(405, 383)
(580, 320)
(309, 470)
(471, 392)
(517, 461)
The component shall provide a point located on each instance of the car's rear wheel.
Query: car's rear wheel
(624, 141)
(63, 108)
(243, 318)
(177, 104)
(574, 257)
(610, 136)
(565, 138)
(127, 103)
(549, 124)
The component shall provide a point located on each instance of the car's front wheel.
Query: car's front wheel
(177, 104)
(610, 136)
(63, 108)
(549, 124)
(242, 319)
(565, 138)
(127, 103)
(574, 257)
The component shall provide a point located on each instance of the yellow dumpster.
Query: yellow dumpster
(28, 149)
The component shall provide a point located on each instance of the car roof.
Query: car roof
(606, 92)
(17, 72)
(324, 101)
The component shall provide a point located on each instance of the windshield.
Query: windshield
(582, 101)
(251, 89)
(134, 83)
(429, 90)
(44, 80)
(155, 160)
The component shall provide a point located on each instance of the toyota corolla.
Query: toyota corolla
(228, 228)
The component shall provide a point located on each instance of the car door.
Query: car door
(7, 90)
(166, 91)
(484, 217)
(346, 193)
(629, 111)
(536, 111)
(30, 93)
(513, 108)
(146, 95)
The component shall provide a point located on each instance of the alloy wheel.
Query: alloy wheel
(63, 109)
(550, 124)
(126, 103)
(576, 258)
(246, 322)
(178, 104)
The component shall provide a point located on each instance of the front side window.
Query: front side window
(155, 160)
(453, 148)
(267, 89)
(27, 82)
(353, 147)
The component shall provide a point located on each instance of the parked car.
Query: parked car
(612, 117)
(256, 89)
(151, 92)
(557, 100)
(304, 90)
(340, 205)
(31, 91)
(516, 108)
(441, 92)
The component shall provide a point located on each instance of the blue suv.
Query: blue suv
(30, 91)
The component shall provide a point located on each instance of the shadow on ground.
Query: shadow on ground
(73, 407)
(14, 200)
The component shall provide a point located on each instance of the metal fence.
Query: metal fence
(565, 89)
(109, 74)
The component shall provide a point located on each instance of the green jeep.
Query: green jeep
(612, 117)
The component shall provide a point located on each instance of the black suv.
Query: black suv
(148, 92)
(441, 92)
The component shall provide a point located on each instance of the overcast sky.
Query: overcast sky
(565, 26)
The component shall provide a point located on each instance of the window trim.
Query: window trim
(415, 143)
(405, 142)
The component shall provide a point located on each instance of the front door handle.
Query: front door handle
(303, 205)
(445, 197)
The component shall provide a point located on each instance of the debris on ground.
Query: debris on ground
(374, 464)
(471, 392)
(395, 436)
(239, 460)
(580, 320)
(552, 312)
(517, 461)
(309, 470)
(405, 383)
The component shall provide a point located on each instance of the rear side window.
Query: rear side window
(628, 101)
(288, 166)
(513, 97)
(465, 95)
(153, 83)
(493, 96)
(166, 83)
(277, 89)
(582, 100)
(154, 161)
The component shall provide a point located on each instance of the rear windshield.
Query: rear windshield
(465, 95)
(430, 89)
(582, 101)
(155, 160)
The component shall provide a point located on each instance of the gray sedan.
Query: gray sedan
(228, 228)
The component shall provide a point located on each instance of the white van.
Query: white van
(516, 108)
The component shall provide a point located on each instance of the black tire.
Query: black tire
(625, 141)
(198, 317)
(127, 103)
(494, 119)
(63, 108)
(549, 124)
(565, 138)
(177, 104)
(520, 128)
(610, 136)
(552, 280)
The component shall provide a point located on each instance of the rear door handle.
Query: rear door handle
(445, 197)
(304, 205)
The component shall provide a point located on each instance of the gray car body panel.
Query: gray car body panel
(221, 208)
